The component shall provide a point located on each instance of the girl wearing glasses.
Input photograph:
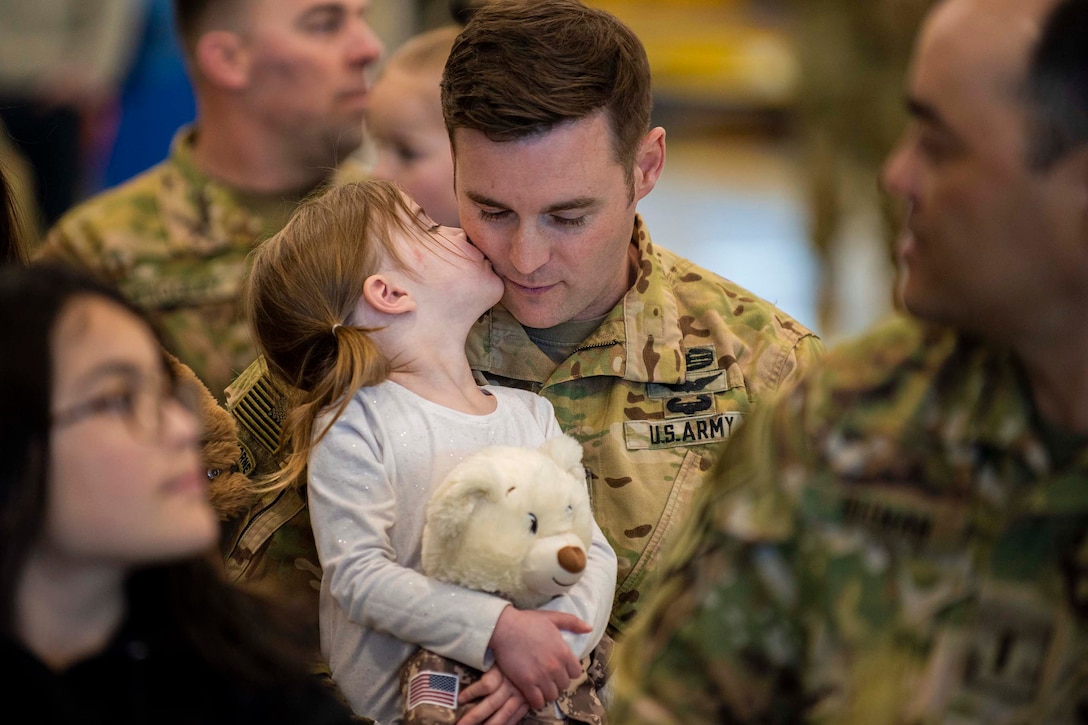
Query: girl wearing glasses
(112, 607)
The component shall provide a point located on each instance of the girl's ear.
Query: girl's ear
(385, 294)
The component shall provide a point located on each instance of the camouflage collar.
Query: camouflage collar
(990, 408)
(908, 378)
(199, 213)
(1000, 413)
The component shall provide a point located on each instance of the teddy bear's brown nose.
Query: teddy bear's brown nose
(572, 559)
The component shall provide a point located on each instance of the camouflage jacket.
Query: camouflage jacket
(653, 393)
(891, 543)
(175, 241)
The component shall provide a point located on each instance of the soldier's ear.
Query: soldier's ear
(222, 59)
(650, 161)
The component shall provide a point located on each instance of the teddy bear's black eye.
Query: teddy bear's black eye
(532, 523)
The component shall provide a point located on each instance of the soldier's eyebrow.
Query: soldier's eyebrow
(484, 200)
(582, 202)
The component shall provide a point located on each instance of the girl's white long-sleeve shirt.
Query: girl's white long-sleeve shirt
(369, 482)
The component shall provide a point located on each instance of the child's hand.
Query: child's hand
(530, 651)
(499, 701)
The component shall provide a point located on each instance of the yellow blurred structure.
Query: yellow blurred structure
(835, 69)
(713, 53)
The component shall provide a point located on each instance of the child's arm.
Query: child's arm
(529, 649)
(353, 509)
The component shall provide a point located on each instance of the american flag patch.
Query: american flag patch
(436, 688)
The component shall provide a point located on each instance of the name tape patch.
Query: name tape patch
(653, 434)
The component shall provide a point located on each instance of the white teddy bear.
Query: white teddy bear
(515, 522)
(512, 521)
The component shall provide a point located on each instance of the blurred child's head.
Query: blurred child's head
(404, 118)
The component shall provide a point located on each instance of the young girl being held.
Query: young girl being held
(364, 304)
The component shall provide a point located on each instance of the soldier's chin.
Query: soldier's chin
(921, 301)
(908, 293)
(528, 313)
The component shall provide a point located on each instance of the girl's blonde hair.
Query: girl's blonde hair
(301, 293)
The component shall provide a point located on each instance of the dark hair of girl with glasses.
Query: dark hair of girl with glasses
(11, 249)
(113, 608)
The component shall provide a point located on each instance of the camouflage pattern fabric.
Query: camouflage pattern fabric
(891, 543)
(581, 702)
(653, 394)
(650, 408)
(271, 546)
(176, 243)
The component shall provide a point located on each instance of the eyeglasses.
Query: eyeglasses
(142, 409)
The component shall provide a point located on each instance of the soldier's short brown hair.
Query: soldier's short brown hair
(522, 67)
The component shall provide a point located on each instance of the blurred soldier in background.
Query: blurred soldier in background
(903, 538)
(281, 88)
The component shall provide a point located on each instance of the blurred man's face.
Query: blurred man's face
(309, 61)
(985, 236)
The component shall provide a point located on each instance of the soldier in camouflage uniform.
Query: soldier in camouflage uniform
(674, 356)
(281, 104)
(649, 361)
(904, 537)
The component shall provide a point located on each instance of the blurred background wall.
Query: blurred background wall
(778, 113)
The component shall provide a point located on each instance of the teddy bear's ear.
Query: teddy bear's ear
(229, 491)
(451, 507)
(567, 454)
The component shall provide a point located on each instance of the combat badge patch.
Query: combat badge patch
(1009, 648)
(688, 411)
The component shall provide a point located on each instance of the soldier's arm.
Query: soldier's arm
(806, 354)
(259, 402)
(721, 637)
